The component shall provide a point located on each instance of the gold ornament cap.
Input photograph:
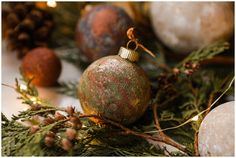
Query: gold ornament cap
(128, 54)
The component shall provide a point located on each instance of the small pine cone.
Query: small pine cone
(66, 144)
(70, 133)
(29, 26)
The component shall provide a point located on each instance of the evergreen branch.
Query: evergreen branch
(68, 88)
(205, 53)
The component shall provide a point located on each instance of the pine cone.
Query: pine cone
(26, 26)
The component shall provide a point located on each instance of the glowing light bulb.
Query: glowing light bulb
(51, 3)
(23, 87)
(195, 118)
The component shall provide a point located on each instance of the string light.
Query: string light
(35, 100)
(23, 87)
(51, 3)
(195, 118)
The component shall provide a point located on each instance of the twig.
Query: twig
(167, 139)
(209, 103)
(6, 85)
(196, 144)
(219, 60)
(127, 131)
(163, 66)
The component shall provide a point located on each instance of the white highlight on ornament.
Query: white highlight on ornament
(51, 3)
(23, 87)
(195, 118)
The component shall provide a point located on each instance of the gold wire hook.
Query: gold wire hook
(130, 42)
(131, 36)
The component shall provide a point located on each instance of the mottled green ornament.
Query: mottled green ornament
(115, 87)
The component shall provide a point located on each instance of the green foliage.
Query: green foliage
(68, 88)
(179, 98)
(205, 53)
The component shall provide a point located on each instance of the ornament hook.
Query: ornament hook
(131, 36)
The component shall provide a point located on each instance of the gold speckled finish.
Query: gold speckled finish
(115, 88)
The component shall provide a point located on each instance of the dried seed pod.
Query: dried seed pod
(51, 134)
(48, 120)
(58, 116)
(75, 119)
(70, 110)
(188, 71)
(49, 141)
(66, 144)
(34, 128)
(176, 71)
(36, 107)
(70, 133)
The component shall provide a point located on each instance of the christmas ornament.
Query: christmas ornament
(187, 26)
(216, 133)
(26, 26)
(42, 65)
(115, 87)
(100, 31)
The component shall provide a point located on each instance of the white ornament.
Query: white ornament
(216, 133)
(187, 26)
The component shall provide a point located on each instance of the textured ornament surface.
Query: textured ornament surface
(216, 133)
(115, 88)
(43, 65)
(101, 31)
(187, 26)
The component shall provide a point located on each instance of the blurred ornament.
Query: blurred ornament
(42, 65)
(187, 26)
(26, 26)
(115, 87)
(216, 133)
(101, 31)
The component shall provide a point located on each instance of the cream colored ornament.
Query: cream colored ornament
(216, 133)
(187, 26)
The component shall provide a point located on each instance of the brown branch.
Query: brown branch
(128, 131)
(163, 66)
(209, 103)
(6, 85)
(219, 60)
(167, 139)
(196, 144)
